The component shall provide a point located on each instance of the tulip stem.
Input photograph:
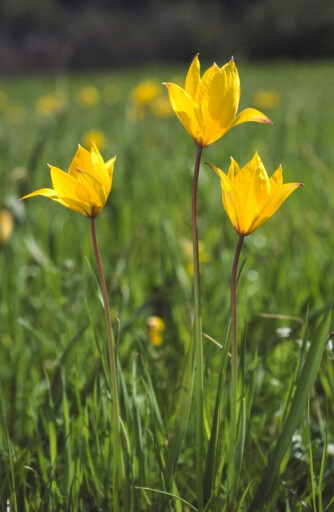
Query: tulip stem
(118, 467)
(234, 361)
(198, 363)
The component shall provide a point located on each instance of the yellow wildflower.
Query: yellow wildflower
(6, 226)
(155, 326)
(85, 187)
(145, 92)
(88, 96)
(266, 99)
(96, 136)
(207, 106)
(50, 104)
(249, 197)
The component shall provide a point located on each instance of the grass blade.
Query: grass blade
(181, 416)
(211, 463)
(189, 505)
(303, 388)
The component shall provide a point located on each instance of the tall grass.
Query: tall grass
(55, 407)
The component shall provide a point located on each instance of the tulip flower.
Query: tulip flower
(249, 197)
(85, 187)
(207, 107)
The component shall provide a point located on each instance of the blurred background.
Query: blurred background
(77, 71)
(63, 35)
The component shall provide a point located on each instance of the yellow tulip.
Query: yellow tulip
(249, 197)
(85, 187)
(207, 107)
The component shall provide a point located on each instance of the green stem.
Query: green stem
(198, 338)
(234, 363)
(118, 472)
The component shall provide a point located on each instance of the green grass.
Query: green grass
(55, 409)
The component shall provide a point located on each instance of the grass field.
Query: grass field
(55, 408)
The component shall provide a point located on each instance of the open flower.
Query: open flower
(85, 187)
(249, 197)
(207, 106)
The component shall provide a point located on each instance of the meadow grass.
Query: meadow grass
(55, 407)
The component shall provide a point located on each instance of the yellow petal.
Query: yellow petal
(206, 82)
(259, 179)
(81, 160)
(232, 87)
(68, 188)
(47, 192)
(233, 170)
(100, 171)
(251, 114)
(276, 202)
(193, 78)
(232, 79)
(229, 196)
(50, 193)
(79, 207)
(220, 99)
(186, 111)
(110, 166)
(211, 99)
(277, 179)
(89, 169)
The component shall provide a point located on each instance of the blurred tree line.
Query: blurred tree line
(48, 34)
